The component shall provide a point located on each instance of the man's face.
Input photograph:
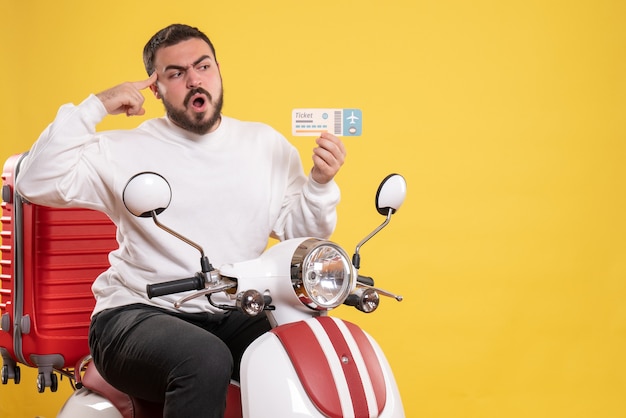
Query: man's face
(190, 85)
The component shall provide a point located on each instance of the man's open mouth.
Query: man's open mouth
(197, 100)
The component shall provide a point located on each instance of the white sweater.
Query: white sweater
(231, 190)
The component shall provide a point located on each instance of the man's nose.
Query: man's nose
(193, 80)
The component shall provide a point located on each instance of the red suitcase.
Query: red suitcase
(50, 257)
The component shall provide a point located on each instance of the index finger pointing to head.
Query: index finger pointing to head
(140, 85)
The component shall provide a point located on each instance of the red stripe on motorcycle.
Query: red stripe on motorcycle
(363, 382)
(311, 366)
(348, 364)
(372, 363)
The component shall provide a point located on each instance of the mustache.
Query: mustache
(197, 90)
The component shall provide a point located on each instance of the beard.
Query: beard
(196, 124)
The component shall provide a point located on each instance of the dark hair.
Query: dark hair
(169, 36)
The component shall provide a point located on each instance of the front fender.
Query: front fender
(321, 364)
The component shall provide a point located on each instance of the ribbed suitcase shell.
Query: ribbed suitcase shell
(7, 247)
(50, 257)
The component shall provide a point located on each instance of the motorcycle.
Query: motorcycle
(310, 364)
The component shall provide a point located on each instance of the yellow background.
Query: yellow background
(505, 117)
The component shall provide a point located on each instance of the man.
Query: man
(234, 184)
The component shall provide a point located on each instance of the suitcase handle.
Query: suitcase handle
(175, 286)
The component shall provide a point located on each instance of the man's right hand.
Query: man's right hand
(126, 97)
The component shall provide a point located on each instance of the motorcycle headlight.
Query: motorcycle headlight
(321, 274)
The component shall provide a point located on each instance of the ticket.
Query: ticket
(340, 122)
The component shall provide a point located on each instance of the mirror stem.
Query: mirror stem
(204, 261)
(356, 258)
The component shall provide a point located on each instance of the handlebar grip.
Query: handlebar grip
(368, 281)
(175, 286)
(352, 300)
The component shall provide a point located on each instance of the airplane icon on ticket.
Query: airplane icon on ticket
(352, 118)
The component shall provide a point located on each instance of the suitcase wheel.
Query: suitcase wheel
(43, 383)
(8, 374)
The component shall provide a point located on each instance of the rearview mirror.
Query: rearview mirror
(146, 193)
(391, 194)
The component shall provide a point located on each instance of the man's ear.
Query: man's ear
(155, 91)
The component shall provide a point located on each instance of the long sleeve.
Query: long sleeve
(50, 172)
(309, 208)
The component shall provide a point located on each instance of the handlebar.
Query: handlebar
(176, 286)
(355, 299)
(368, 281)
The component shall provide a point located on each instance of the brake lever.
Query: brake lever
(399, 298)
(219, 287)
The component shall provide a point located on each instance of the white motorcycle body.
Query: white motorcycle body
(309, 363)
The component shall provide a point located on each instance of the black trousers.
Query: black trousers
(184, 360)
